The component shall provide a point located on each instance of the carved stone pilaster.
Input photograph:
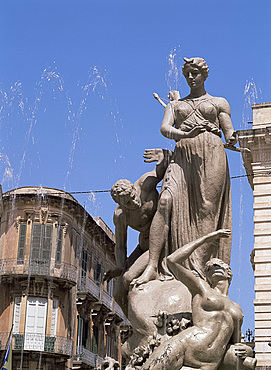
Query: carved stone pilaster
(258, 166)
(43, 215)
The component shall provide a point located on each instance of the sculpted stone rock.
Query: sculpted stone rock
(170, 297)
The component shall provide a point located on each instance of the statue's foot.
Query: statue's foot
(149, 274)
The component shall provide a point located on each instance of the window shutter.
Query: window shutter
(16, 316)
(84, 264)
(21, 244)
(54, 316)
(47, 241)
(36, 242)
(59, 241)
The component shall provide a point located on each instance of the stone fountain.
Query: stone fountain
(174, 286)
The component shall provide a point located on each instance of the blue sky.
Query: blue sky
(76, 84)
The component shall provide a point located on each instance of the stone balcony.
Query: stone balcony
(63, 272)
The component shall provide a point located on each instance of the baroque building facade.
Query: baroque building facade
(257, 162)
(53, 255)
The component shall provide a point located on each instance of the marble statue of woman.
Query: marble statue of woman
(195, 196)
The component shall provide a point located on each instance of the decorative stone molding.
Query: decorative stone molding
(43, 213)
(30, 216)
(258, 160)
(18, 220)
(65, 227)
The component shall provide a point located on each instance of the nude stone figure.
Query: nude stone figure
(195, 196)
(216, 319)
(137, 204)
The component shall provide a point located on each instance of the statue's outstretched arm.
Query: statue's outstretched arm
(163, 158)
(180, 255)
(121, 237)
(149, 180)
(157, 97)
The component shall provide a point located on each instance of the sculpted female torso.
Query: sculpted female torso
(195, 196)
(198, 180)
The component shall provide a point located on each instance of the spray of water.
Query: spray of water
(14, 101)
(95, 81)
(252, 95)
(174, 69)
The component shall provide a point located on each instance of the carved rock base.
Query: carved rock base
(146, 302)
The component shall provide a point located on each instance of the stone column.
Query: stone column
(258, 166)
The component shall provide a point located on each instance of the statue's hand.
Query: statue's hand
(232, 140)
(240, 350)
(110, 274)
(195, 131)
(222, 233)
(153, 155)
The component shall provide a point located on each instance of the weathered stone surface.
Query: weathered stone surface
(145, 302)
(188, 226)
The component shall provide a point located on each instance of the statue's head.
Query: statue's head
(110, 364)
(217, 266)
(124, 193)
(198, 63)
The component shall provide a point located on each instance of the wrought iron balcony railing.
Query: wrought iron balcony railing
(38, 342)
(64, 271)
(118, 311)
(107, 300)
(86, 356)
(89, 286)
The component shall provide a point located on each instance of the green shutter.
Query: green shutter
(21, 244)
(46, 241)
(59, 241)
(41, 244)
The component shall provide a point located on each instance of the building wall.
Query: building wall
(65, 279)
(258, 166)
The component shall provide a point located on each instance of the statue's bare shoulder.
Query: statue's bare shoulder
(222, 105)
(119, 215)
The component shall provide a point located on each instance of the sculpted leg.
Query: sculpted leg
(167, 356)
(135, 270)
(158, 237)
(121, 286)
